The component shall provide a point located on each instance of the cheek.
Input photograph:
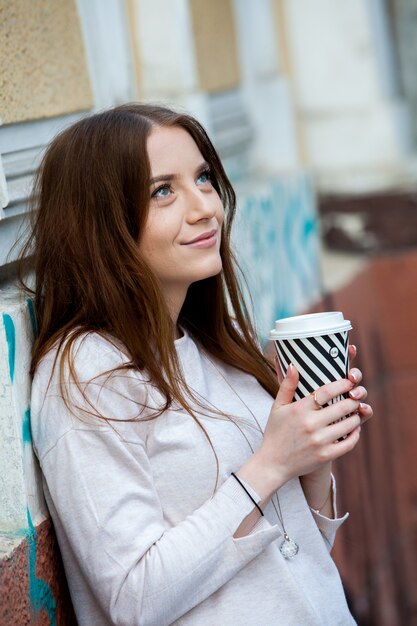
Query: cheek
(150, 242)
(220, 212)
(155, 234)
(157, 245)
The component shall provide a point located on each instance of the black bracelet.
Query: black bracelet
(243, 487)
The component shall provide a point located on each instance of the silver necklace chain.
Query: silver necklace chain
(288, 548)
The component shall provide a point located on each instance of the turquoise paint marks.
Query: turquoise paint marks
(32, 317)
(277, 244)
(11, 342)
(40, 593)
(296, 244)
(26, 429)
(265, 206)
(310, 228)
(15, 534)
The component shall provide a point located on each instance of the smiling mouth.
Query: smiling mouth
(204, 237)
(208, 240)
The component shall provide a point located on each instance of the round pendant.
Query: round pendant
(288, 547)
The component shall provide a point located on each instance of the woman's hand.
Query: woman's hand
(316, 484)
(302, 439)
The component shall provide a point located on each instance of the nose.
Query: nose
(201, 205)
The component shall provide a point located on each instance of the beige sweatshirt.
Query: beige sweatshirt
(145, 538)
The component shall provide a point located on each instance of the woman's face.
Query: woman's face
(184, 207)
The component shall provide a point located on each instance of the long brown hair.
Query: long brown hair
(91, 199)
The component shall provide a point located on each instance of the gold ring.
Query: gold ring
(317, 403)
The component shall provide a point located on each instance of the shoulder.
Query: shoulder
(90, 355)
(79, 382)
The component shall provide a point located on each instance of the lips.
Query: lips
(206, 235)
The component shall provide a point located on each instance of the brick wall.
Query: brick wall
(33, 588)
(376, 550)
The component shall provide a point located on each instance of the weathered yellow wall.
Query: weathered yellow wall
(43, 69)
(215, 43)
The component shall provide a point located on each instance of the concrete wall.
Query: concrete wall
(355, 120)
(404, 14)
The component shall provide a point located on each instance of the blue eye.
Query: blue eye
(162, 192)
(204, 177)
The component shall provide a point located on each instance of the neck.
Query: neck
(175, 299)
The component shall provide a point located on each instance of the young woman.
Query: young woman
(183, 486)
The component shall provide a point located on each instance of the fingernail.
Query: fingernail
(290, 368)
(362, 405)
(355, 393)
(354, 347)
(355, 375)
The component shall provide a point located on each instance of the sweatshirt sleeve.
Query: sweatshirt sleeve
(142, 571)
(329, 526)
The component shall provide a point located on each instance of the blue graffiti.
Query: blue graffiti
(278, 248)
(40, 593)
(11, 342)
(26, 429)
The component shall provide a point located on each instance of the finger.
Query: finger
(339, 448)
(341, 429)
(358, 393)
(317, 404)
(365, 412)
(332, 390)
(355, 375)
(287, 387)
(337, 411)
(352, 351)
(278, 370)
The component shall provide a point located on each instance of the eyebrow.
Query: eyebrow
(166, 178)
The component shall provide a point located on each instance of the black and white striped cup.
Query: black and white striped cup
(317, 345)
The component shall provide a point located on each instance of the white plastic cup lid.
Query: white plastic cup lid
(311, 325)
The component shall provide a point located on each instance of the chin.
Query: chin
(216, 269)
(209, 272)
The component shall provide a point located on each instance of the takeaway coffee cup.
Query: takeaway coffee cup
(317, 345)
